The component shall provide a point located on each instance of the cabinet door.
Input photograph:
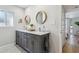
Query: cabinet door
(19, 38)
(30, 43)
(27, 42)
(38, 43)
(24, 41)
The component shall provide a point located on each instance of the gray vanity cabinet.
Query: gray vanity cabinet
(37, 46)
(31, 42)
(40, 43)
(24, 40)
(19, 38)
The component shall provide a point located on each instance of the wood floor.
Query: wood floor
(70, 49)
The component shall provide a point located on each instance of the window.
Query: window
(6, 18)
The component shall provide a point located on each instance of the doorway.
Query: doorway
(72, 33)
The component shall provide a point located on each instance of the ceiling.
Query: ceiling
(68, 7)
(22, 6)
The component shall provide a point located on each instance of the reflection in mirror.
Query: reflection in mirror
(41, 17)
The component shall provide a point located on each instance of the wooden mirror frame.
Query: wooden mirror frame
(29, 20)
(44, 14)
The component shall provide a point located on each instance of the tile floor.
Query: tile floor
(11, 48)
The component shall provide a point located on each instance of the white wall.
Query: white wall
(53, 23)
(7, 34)
(63, 27)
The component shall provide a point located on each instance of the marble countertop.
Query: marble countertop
(33, 32)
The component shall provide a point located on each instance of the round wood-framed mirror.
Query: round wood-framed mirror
(27, 20)
(41, 17)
